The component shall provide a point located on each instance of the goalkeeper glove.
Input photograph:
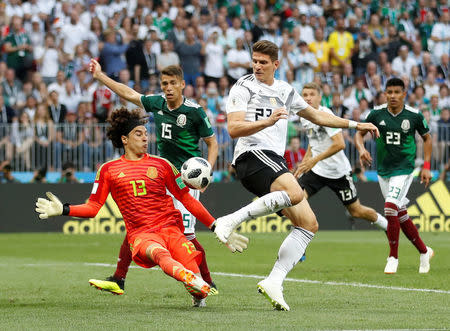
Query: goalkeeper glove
(48, 208)
(236, 242)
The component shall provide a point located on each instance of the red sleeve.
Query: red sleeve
(99, 193)
(180, 191)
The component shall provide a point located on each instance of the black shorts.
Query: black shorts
(258, 169)
(343, 187)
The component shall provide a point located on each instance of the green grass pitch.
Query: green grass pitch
(44, 286)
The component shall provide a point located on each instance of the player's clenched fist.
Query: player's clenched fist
(94, 68)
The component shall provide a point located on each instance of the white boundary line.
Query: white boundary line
(295, 280)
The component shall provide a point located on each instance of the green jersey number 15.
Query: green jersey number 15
(166, 130)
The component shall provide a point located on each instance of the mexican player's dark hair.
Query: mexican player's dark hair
(395, 82)
(173, 70)
(122, 121)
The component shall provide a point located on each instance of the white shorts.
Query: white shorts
(395, 189)
(188, 219)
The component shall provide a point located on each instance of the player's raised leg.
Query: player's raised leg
(356, 209)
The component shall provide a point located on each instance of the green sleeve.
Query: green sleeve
(151, 102)
(371, 117)
(204, 126)
(422, 125)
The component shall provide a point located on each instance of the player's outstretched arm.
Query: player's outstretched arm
(425, 174)
(53, 207)
(364, 156)
(120, 89)
(308, 163)
(239, 127)
(325, 119)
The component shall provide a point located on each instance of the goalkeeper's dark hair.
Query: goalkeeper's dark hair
(122, 121)
(395, 82)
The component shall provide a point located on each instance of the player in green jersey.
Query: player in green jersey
(396, 153)
(179, 124)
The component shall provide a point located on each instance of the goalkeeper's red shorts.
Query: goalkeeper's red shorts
(171, 238)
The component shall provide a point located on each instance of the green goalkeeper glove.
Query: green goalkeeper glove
(236, 242)
(48, 208)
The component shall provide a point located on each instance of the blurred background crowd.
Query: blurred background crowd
(53, 112)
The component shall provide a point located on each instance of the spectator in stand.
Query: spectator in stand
(338, 108)
(214, 58)
(102, 103)
(349, 100)
(327, 96)
(30, 106)
(47, 58)
(320, 48)
(22, 137)
(402, 64)
(416, 52)
(444, 98)
(376, 32)
(70, 98)
(364, 50)
(6, 175)
(213, 99)
(364, 109)
(68, 173)
(167, 57)
(305, 64)
(440, 35)
(443, 68)
(341, 46)
(294, 154)
(92, 143)
(239, 61)
(190, 52)
(36, 33)
(360, 92)
(43, 135)
(336, 86)
(234, 32)
(393, 44)
(177, 34)
(348, 78)
(407, 31)
(72, 34)
(17, 46)
(443, 135)
(261, 26)
(430, 85)
(69, 138)
(12, 90)
(57, 110)
(59, 85)
(306, 31)
(112, 54)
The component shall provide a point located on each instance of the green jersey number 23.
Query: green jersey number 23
(392, 138)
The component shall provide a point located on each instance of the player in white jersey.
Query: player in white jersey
(258, 107)
(325, 163)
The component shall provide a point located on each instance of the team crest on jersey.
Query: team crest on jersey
(152, 172)
(405, 125)
(273, 101)
(181, 120)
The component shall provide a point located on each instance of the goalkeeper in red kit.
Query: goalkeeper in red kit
(138, 183)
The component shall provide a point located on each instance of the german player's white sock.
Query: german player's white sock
(291, 251)
(265, 205)
(381, 222)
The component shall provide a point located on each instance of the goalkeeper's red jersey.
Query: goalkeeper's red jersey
(139, 189)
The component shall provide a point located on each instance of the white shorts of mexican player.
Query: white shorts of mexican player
(396, 188)
(188, 219)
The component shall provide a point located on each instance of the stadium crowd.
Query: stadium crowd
(52, 111)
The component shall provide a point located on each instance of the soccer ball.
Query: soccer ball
(196, 173)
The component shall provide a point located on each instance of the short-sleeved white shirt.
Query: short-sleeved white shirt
(258, 101)
(319, 137)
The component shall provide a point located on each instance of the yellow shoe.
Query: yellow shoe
(110, 285)
(213, 290)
